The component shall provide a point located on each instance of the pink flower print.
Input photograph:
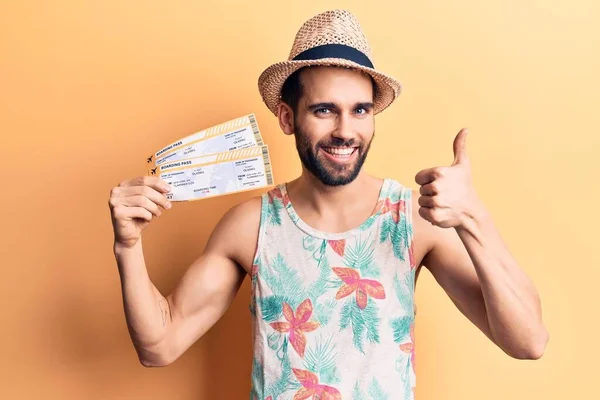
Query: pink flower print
(297, 324)
(338, 246)
(276, 194)
(395, 209)
(311, 387)
(362, 287)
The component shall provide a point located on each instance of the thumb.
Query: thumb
(460, 147)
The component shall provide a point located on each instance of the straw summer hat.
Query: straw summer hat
(332, 38)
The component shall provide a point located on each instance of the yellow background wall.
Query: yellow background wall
(89, 88)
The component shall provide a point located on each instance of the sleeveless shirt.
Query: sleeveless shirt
(333, 313)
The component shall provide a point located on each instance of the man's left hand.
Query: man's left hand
(448, 197)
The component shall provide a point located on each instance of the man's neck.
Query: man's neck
(314, 200)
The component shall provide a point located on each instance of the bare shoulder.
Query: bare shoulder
(236, 233)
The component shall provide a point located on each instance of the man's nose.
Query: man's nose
(344, 131)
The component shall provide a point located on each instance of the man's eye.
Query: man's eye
(323, 111)
(361, 110)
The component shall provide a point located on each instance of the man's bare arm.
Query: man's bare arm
(209, 286)
(163, 328)
(477, 272)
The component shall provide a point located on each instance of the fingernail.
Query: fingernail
(168, 205)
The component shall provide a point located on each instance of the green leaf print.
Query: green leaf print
(364, 323)
(371, 271)
(372, 321)
(376, 391)
(272, 307)
(400, 233)
(282, 354)
(324, 311)
(287, 380)
(309, 243)
(360, 256)
(396, 233)
(404, 292)
(274, 212)
(400, 237)
(316, 246)
(282, 279)
(349, 317)
(403, 367)
(273, 340)
(357, 394)
(358, 329)
(320, 359)
(387, 227)
(264, 210)
(401, 328)
(318, 287)
(258, 376)
(330, 375)
(346, 315)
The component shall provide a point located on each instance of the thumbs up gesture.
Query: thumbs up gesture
(447, 196)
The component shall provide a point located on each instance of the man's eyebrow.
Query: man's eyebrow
(367, 105)
(316, 106)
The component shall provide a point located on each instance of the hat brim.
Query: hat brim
(272, 79)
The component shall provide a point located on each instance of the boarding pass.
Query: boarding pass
(216, 174)
(232, 135)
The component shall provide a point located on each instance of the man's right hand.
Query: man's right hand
(133, 204)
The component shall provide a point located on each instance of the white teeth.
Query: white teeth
(336, 151)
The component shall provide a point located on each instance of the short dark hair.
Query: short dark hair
(292, 89)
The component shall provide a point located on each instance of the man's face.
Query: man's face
(334, 123)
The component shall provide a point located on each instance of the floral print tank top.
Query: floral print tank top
(333, 313)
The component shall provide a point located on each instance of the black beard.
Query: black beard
(341, 175)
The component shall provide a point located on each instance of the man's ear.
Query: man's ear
(285, 115)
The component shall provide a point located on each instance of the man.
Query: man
(334, 255)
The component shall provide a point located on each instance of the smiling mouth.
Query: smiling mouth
(341, 153)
